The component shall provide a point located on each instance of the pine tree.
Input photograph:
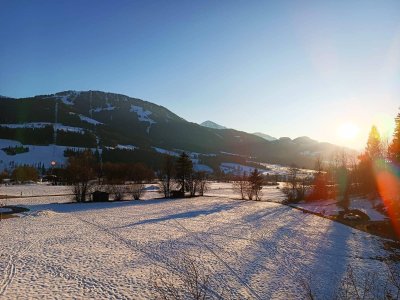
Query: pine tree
(374, 147)
(394, 148)
(373, 151)
(256, 181)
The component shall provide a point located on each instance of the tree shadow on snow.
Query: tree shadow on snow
(187, 214)
(70, 207)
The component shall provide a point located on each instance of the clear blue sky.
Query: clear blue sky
(286, 68)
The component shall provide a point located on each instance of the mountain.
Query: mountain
(126, 129)
(265, 136)
(211, 124)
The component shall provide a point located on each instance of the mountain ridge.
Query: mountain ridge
(104, 120)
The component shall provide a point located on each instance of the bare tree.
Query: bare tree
(81, 172)
(371, 285)
(240, 185)
(192, 183)
(118, 190)
(166, 175)
(290, 188)
(202, 182)
(136, 189)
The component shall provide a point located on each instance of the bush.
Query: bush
(367, 286)
(136, 190)
(81, 172)
(24, 174)
(187, 278)
(117, 190)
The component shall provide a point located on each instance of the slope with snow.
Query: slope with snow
(237, 169)
(143, 115)
(164, 151)
(36, 155)
(68, 98)
(107, 107)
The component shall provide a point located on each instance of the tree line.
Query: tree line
(176, 178)
(371, 174)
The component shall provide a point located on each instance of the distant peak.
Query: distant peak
(265, 136)
(303, 140)
(211, 124)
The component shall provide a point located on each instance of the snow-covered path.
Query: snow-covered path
(260, 250)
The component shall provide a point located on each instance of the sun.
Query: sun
(348, 131)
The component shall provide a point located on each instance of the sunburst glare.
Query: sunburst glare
(348, 131)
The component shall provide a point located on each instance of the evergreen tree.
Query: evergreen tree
(256, 181)
(374, 146)
(320, 184)
(394, 148)
(184, 169)
(373, 151)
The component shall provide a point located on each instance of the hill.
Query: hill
(123, 128)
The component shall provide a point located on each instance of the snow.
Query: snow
(164, 151)
(273, 169)
(237, 169)
(89, 120)
(193, 155)
(61, 127)
(36, 155)
(197, 166)
(69, 98)
(229, 153)
(86, 119)
(269, 193)
(57, 126)
(27, 125)
(4, 143)
(330, 207)
(202, 168)
(143, 115)
(108, 107)
(126, 147)
(257, 250)
(368, 207)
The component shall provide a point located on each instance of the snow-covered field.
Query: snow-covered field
(258, 250)
(331, 207)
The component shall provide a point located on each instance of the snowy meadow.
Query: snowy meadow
(249, 249)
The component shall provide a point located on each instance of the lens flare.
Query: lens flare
(388, 181)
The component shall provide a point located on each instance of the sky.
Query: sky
(325, 69)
